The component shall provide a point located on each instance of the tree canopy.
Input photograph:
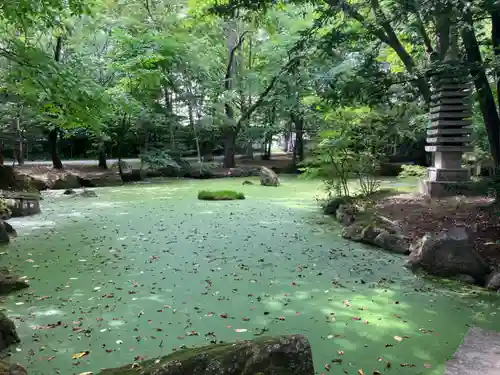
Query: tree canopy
(199, 76)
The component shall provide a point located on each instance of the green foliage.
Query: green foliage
(156, 159)
(410, 170)
(352, 146)
(221, 195)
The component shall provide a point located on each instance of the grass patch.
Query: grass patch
(220, 195)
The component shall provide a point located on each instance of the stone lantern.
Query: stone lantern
(448, 135)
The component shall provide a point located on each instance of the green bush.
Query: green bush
(220, 195)
(409, 170)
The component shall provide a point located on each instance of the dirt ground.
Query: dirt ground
(417, 216)
(279, 162)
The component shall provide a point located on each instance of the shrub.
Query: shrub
(220, 195)
(409, 170)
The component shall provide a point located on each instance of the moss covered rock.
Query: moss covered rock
(220, 195)
(10, 282)
(8, 334)
(287, 355)
(12, 369)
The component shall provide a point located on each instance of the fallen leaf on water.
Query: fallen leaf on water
(388, 364)
(87, 373)
(340, 352)
(388, 345)
(398, 338)
(376, 372)
(427, 365)
(406, 365)
(356, 318)
(361, 372)
(327, 367)
(337, 360)
(80, 355)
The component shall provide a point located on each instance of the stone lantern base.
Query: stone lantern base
(446, 177)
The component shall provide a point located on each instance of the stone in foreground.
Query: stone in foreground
(12, 369)
(286, 355)
(8, 334)
(479, 354)
(268, 177)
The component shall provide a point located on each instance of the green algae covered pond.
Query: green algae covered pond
(146, 269)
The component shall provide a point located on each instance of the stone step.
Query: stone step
(446, 101)
(450, 94)
(450, 115)
(459, 107)
(459, 139)
(479, 354)
(450, 131)
(448, 123)
(450, 87)
(441, 148)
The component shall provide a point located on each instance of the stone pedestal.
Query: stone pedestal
(448, 136)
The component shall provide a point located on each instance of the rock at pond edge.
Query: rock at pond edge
(392, 242)
(8, 334)
(10, 282)
(268, 177)
(448, 253)
(493, 281)
(286, 355)
(12, 369)
(4, 236)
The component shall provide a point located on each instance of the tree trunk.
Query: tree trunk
(18, 147)
(229, 148)
(19, 153)
(195, 130)
(54, 152)
(495, 38)
(484, 93)
(298, 148)
(102, 156)
(249, 150)
(1, 153)
(287, 136)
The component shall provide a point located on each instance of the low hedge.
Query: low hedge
(220, 195)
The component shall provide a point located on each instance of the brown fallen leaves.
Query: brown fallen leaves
(80, 355)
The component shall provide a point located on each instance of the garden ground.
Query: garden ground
(145, 269)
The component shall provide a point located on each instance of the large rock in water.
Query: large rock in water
(448, 253)
(4, 235)
(8, 334)
(268, 177)
(287, 355)
(12, 369)
(66, 181)
(10, 282)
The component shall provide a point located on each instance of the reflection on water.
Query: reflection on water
(133, 274)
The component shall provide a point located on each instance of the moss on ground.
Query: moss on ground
(220, 195)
